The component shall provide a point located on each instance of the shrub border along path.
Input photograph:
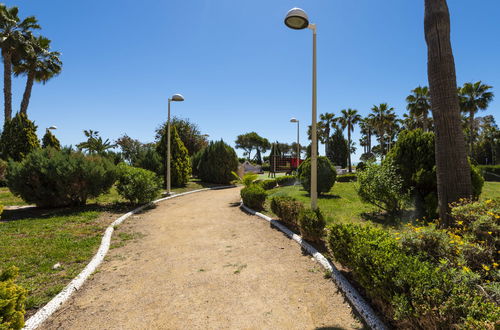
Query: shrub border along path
(352, 295)
(46, 311)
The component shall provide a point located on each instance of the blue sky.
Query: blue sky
(237, 65)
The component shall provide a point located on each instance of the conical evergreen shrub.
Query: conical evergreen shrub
(50, 140)
(217, 162)
(18, 138)
(180, 163)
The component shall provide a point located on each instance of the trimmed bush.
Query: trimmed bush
(381, 186)
(326, 175)
(287, 209)
(217, 163)
(18, 138)
(311, 224)
(268, 184)
(254, 196)
(490, 172)
(12, 300)
(286, 180)
(347, 178)
(138, 185)
(195, 161)
(413, 292)
(51, 178)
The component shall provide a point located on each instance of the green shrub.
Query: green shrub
(347, 178)
(287, 209)
(311, 224)
(428, 242)
(138, 185)
(3, 172)
(414, 157)
(195, 161)
(326, 175)
(268, 184)
(217, 162)
(149, 159)
(361, 166)
(180, 163)
(286, 180)
(51, 178)
(254, 196)
(12, 300)
(381, 186)
(490, 172)
(49, 140)
(414, 292)
(18, 138)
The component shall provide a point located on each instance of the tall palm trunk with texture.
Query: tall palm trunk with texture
(7, 85)
(453, 171)
(27, 92)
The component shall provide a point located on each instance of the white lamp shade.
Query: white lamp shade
(177, 98)
(296, 19)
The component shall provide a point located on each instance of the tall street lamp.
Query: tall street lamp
(175, 98)
(295, 120)
(297, 19)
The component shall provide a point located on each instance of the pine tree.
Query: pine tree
(180, 163)
(49, 140)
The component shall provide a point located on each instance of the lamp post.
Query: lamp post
(297, 19)
(175, 98)
(295, 120)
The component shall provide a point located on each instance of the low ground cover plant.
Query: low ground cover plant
(138, 185)
(52, 178)
(12, 299)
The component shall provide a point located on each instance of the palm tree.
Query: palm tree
(95, 143)
(452, 168)
(474, 97)
(13, 35)
(419, 104)
(348, 119)
(366, 129)
(328, 121)
(383, 120)
(38, 64)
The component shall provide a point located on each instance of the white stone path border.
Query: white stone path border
(361, 306)
(46, 311)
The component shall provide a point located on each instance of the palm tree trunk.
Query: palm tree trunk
(349, 146)
(424, 121)
(471, 132)
(452, 167)
(27, 92)
(7, 85)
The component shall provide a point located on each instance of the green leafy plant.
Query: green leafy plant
(12, 300)
(326, 175)
(381, 186)
(3, 172)
(268, 184)
(286, 180)
(138, 185)
(18, 138)
(311, 224)
(51, 178)
(254, 196)
(217, 162)
(287, 209)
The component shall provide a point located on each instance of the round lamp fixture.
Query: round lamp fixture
(294, 120)
(296, 19)
(177, 97)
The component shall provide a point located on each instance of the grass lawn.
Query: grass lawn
(340, 204)
(343, 204)
(7, 199)
(35, 240)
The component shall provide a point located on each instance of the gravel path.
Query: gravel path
(198, 262)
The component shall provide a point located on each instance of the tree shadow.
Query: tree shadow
(44, 213)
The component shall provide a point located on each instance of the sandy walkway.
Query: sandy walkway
(203, 263)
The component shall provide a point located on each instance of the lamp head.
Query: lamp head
(296, 19)
(177, 98)
(52, 127)
(294, 120)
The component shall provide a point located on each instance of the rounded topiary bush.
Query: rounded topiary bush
(217, 163)
(138, 185)
(326, 175)
(254, 196)
(51, 178)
